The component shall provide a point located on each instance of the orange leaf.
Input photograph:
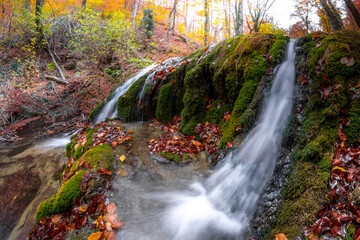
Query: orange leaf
(229, 144)
(107, 172)
(95, 236)
(83, 208)
(56, 219)
(280, 236)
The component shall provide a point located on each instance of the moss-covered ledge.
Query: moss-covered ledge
(331, 99)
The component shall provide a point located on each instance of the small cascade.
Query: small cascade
(222, 206)
(109, 110)
(159, 72)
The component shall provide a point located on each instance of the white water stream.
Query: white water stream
(109, 110)
(223, 206)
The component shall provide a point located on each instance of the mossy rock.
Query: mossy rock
(166, 105)
(127, 105)
(100, 156)
(64, 199)
(305, 194)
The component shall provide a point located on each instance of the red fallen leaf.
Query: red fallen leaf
(315, 36)
(303, 80)
(82, 162)
(109, 235)
(238, 129)
(342, 136)
(326, 78)
(101, 204)
(336, 162)
(111, 208)
(229, 144)
(105, 171)
(326, 94)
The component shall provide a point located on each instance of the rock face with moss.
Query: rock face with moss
(325, 95)
(210, 83)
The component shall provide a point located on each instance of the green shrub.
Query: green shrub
(147, 22)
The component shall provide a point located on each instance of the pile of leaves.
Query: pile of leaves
(335, 218)
(94, 214)
(210, 134)
(109, 133)
(172, 142)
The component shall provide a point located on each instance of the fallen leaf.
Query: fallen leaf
(56, 219)
(347, 61)
(111, 208)
(342, 136)
(122, 158)
(123, 173)
(95, 236)
(280, 236)
(83, 208)
(338, 168)
(229, 144)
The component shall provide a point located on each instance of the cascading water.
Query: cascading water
(222, 206)
(166, 66)
(109, 110)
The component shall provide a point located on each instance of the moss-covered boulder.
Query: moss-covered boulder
(64, 199)
(330, 99)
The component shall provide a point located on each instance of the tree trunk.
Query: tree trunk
(239, 17)
(354, 11)
(135, 11)
(332, 15)
(206, 27)
(169, 24)
(185, 16)
(83, 4)
(38, 12)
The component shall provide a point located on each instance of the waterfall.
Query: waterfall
(223, 205)
(109, 110)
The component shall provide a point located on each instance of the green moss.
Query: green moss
(166, 104)
(350, 232)
(96, 110)
(278, 48)
(352, 132)
(63, 200)
(100, 156)
(215, 113)
(305, 194)
(172, 157)
(127, 104)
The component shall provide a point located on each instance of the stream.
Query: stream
(158, 199)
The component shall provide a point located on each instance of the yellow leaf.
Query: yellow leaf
(83, 208)
(95, 236)
(56, 219)
(122, 158)
(152, 140)
(123, 173)
(340, 168)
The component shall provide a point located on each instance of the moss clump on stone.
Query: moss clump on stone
(305, 194)
(63, 200)
(100, 156)
(96, 110)
(166, 105)
(278, 49)
(172, 157)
